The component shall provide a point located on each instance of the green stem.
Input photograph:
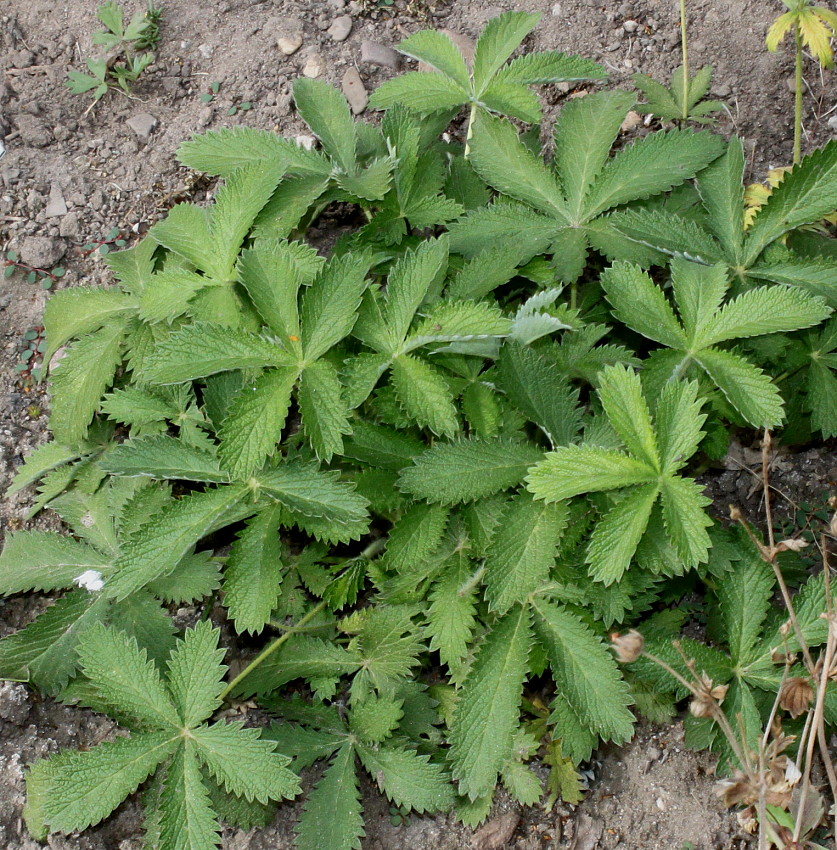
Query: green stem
(797, 112)
(470, 131)
(685, 51)
(270, 649)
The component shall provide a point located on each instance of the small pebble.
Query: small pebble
(630, 26)
(354, 90)
(56, 206)
(289, 44)
(205, 50)
(340, 28)
(373, 53)
(142, 124)
(313, 66)
(832, 123)
(41, 251)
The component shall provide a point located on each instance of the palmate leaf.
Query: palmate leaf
(585, 672)
(467, 470)
(486, 713)
(491, 84)
(706, 321)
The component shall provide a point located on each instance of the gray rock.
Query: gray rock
(33, 131)
(354, 90)
(630, 26)
(56, 205)
(373, 53)
(340, 28)
(142, 124)
(42, 252)
(69, 226)
(289, 43)
(832, 123)
(14, 703)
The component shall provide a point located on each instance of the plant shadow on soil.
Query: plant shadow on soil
(69, 178)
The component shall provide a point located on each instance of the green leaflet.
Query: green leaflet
(466, 470)
(486, 713)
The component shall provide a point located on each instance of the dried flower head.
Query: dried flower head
(708, 697)
(740, 790)
(628, 647)
(796, 695)
(793, 544)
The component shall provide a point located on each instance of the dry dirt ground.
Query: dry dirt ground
(69, 176)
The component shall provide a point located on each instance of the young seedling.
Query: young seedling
(209, 95)
(47, 277)
(813, 27)
(125, 48)
(681, 101)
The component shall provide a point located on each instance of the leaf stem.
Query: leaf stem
(797, 112)
(684, 106)
(470, 131)
(270, 649)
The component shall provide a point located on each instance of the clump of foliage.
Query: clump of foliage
(683, 99)
(445, 460)
(128, 51)
(812, 27)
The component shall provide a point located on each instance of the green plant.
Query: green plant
(682, 100)
(717, 233)
(124, 59)
(436, 474)
(813, 27)
(199, 768)
(209, 95)
(491, 83)
(47, 277)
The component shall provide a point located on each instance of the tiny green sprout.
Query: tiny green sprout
(124, 46)
(813, 27)
(208, 96)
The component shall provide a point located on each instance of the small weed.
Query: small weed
(245, 106)
(209, 95)
(30, 361)
(398, 815)
(127, 51)
(113, 239)
(47, 277)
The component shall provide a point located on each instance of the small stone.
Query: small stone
(313, 66)
(289, 43)
(41, 252)
(305, 141)
(69, 227)
(337, 4)
(33, 131)
(142, 124)
(556, 10)
(354, 91)
(496, 834)
(205, 50)
(722, 90)
(14, 703)
(56, 205)
(340, 28)
(832, 123)
(631, 122)
(205, 116)
(630, 26)
(373, 53)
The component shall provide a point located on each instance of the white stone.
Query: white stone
(56, 206)
(340, 28)
(313, 66)
(289, 43)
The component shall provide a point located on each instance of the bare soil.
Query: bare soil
(72, 175)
